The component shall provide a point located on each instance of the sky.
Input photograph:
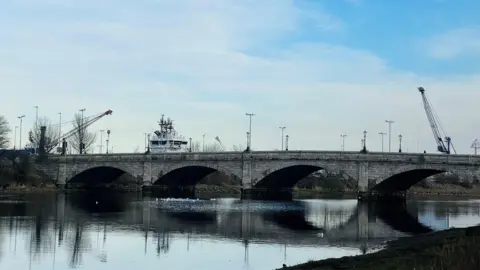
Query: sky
(321, 68)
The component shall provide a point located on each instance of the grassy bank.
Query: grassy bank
(29, 189)
(450, 249)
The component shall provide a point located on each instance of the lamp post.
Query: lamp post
(190, 145)
(20, 136)
(59, 125)
(101, 140)
(389, 122)
(148, 143)
(81, 133)
(203, 143)
(400, 143)
(343, 141)
(248, 138)
(382, 134)
(286, 142)
(36, 115)
(283, 129)
(145, 141)
(15, 139)
(36, 146)
(364, 150)
(108, 138)
(249, 145)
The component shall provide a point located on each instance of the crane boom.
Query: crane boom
(441, 147)
(89, 121)
(220, 142)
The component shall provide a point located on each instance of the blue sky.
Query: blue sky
(321, 68)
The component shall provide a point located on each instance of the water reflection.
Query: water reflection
(124, 231)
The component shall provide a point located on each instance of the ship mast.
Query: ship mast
(166, 126)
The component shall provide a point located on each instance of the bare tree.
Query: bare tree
(137, 150)
(81, 136)
(4, 131)
(238, 148)
(196, 146)
(51, 134)
(214, 147)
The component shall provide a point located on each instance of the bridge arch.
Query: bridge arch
(190, 173)
(404, 177)
(286, 175)
(97, 174)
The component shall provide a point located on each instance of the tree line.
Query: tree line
(81, 141)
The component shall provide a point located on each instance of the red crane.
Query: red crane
(88, 121)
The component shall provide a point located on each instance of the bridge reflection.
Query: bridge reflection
(297, 222)
(69, 219)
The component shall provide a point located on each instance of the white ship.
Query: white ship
(167, 139)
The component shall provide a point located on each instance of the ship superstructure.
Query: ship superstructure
(167, 139)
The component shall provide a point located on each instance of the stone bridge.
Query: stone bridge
(381, 172)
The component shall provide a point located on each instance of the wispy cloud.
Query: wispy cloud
(454, 43)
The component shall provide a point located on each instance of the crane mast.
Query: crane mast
(476, 145)
(89, 121)
(434, 125)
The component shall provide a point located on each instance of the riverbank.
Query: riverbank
(49, 188)
(450, 190)
(449, 249)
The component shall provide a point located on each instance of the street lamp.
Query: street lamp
(382, 134)
(282, 128)
(190, 145)
(145, 141)
(36, 127)
(248, 138)
(101, 140)
(36, 115)
(364, 150)
(59, 125)
(15, 139)
(20, 136)
(249, 145)
(108, 139)
(400, 143)
(148, 143)
(81, 133)
(389, 122)
(286, 142)
(343, 141)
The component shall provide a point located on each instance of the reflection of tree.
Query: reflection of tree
(80, 245)
(41, 238)
(163, 242)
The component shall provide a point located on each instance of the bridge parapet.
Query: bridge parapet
(410, 158)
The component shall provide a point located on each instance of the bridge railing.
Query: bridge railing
(280, 155)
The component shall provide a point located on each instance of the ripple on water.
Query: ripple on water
(222, 205)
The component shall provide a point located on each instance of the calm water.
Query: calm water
(130, 232)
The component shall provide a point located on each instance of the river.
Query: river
(128, 231)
